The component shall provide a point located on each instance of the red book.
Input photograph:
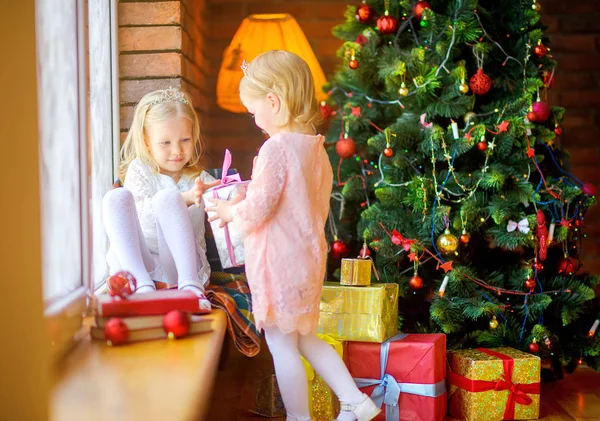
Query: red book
(149, 303)
(417, 363)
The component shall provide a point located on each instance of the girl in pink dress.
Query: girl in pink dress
(282, 220)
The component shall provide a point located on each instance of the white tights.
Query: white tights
(176, 244)
(291, 377)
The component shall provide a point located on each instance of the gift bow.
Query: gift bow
(387, 389)
(228, 179)
(522, 225)
(518, 392)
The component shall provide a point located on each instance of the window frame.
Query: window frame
(64, 315)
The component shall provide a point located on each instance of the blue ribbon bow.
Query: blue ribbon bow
(387, 390)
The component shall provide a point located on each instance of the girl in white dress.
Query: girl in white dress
(155, 224)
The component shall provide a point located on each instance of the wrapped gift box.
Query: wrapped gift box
(364, 314)
(356, 272)
(408, 370)
(494, 384)
(228, 240)
(324, 404)
(268, 402)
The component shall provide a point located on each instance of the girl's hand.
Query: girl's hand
(200, 188)
(223, 210)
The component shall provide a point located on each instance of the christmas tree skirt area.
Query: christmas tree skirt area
(576, 398)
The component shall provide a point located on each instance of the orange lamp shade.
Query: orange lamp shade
(257, 34)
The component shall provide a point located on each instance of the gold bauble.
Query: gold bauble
(403, 91)
(536, 6)
(494, 323)
(463, 88)
(447, 243)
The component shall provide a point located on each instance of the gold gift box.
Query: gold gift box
(324, 405)
(490, 405)
(360, 314)
(268, 402)
(356, 272)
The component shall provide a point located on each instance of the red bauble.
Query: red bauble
(419, 7)
(326, 110)
(389, 152)
(540, 50)
(567, 265)
(480, 83)
(387, 25)
(361, 39)
(558, 130)
(541, 110)
(122, 284)
(353, 64)
(534, 347)
(176, 324)
(116, 331)
(589, 189)
(416, 282)
(464, 238)
(531, 116)
(482, 146)
(345, 148)
(364, 13)
(530, 284)
(548, 79)
(364, 252)
(339, 249)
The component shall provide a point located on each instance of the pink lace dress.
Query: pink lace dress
(283, 221)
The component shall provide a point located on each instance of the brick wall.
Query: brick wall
(161, 44)
(575, 31)
(237, 131)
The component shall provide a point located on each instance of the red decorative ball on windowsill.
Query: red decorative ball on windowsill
(121, 284)
(176, 324)
(116, 331)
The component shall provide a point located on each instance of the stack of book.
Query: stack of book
(141, 317)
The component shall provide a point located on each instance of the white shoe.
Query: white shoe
(203, 302)
(365, 411)
(145, 288)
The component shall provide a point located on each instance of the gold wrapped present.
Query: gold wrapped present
(356, 272)
(494, 384)
(324, 405)
(361, 314)
(322, 402)
(268, 399)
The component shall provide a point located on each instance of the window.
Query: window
(63, 146)
(78, 115)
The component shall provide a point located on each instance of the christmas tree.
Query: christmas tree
(450, 171)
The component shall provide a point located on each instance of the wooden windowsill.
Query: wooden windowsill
(153, 380)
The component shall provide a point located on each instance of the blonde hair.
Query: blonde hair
(156, 107)
(289, 77)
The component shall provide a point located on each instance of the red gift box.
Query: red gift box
(413, 383)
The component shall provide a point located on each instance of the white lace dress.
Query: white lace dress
(143, 183)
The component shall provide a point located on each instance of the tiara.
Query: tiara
(245, 65)
(170, 94)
